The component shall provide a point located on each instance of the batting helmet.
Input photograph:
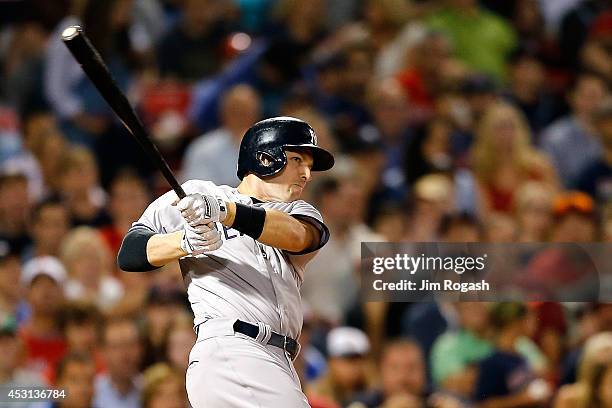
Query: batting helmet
(262, 150)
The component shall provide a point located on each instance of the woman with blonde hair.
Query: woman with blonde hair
(594, 373)
(89, 264)
(163, 387)
(503, 158)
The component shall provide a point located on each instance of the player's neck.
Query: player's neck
(249, 187)
(253, 186)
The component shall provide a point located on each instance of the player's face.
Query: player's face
(289, 184)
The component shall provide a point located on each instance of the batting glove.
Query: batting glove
(200, 239)
(198, 209)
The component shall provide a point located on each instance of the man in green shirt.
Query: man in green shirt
(481, 38)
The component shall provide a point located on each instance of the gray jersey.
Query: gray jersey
(243, 279)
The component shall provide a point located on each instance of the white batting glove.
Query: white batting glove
(198, 209)
(201, 239)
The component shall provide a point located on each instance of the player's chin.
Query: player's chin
(295, 192)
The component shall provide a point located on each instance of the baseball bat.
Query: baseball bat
(92, 64)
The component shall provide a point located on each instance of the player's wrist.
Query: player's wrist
(248, 219)
(184, 245)
(230, 215)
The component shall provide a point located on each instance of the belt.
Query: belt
(289, 345)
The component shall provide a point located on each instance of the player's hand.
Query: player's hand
(199, 209)
(201, 239)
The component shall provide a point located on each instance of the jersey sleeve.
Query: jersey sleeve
(304, 211)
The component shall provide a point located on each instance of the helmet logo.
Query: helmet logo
(264, 159)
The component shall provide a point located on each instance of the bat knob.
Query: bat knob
(70, 32)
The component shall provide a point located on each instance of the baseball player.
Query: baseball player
(242, 253)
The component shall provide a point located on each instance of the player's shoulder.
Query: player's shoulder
(199, 186)
(288, 205)
(297, 207)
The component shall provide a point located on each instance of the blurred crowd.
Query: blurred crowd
(450, 120)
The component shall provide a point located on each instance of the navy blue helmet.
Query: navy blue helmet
(262, 150)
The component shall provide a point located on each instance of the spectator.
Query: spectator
(163, 387)
(386, 24)
(597, 353)
(533, 209)
(83, 114)
(301, 26)
(575, 26)
(528, 19)
(607, 223)
(426, 322)
(434, 196)
(90, 277)
(597, 55)
(575, 220)
(596, 178)
(430, 151)
(529, 91)
(43, 278)
(75, 376)
(46, 144)
(12, 304)
(455, 355)
(269, 67)
(83, 196)
(193, 48)
(482, 39)
(550, 333)
(502, 228)
(128, 198)
(554, 10)
(339, 89)
(460, 227)
(389, 106)
(347, 375)
(161, 307)
(391, 222)
(12, 372)
(179, 340)
(505, 378)
(570, 141)
(310, 364)
(121, 386)
(402, 375)
(21, 76)
(480, 92)
(600, 394)
(422, 79)
(14, 210)
(212, 155)
(503, 158)
(82, 324)
(50, 223)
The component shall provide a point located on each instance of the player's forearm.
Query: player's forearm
(165, 248)
(280, 230)
(142, 250)
(285, 232)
